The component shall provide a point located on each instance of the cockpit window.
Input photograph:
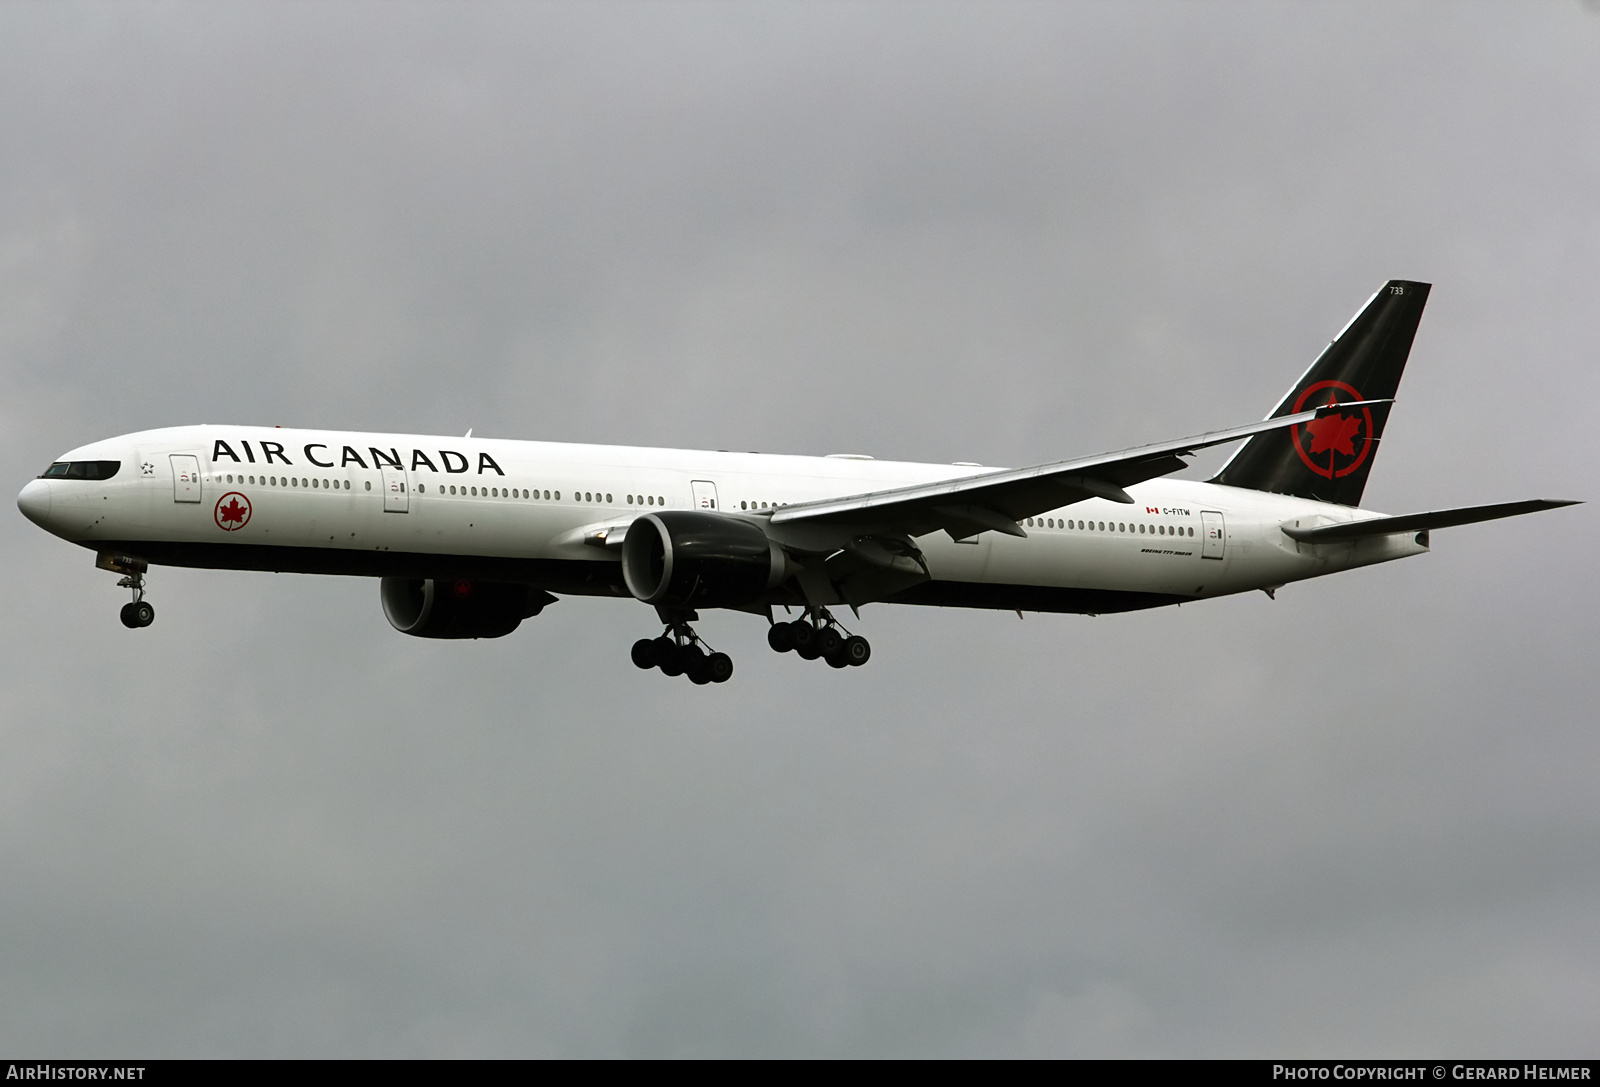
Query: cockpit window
(82, 469)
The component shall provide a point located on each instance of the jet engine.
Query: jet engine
(459, 608)
(689, 559)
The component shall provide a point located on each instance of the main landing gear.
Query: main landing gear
(680, 652)
(819, 634)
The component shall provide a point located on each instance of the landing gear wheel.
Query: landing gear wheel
(856, 651)
(680, 652)
(136, 613)
(818, 634)
(829, 642)
(644, 653)
(667, 657)
(694, 665)
(804, 636)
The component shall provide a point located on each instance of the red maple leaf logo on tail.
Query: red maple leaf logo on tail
(1335, 432)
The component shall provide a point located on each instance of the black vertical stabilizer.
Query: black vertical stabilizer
(1329, 459)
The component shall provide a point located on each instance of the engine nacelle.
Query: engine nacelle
(689, 559)
(459, 608)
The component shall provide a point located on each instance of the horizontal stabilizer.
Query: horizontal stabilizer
(1414, 522)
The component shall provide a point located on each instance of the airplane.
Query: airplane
(470, 536)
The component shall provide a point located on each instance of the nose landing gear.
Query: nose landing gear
(819, 634)
(138, 612)
(681, 652)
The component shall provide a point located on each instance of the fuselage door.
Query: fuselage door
(1216, 533)
(705, 494)
(185, 477)
(396, 491)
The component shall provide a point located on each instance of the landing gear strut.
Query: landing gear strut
(138, 612)
(679, 651)
(819, 634)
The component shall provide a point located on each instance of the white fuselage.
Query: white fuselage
(326, 501)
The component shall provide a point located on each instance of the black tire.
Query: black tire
(128, 619)
(829, 641)
(780, 637)
(667, 656)
(143, 613)
(719, 666)
(804, 637)
(837, 660)
(644, 653)
(856, 651)
(693, 660)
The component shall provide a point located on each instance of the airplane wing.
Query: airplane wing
(1413, 522)
(998, 500)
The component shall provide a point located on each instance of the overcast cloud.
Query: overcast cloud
(1361, 819)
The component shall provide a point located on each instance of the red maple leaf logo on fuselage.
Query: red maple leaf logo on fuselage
(232, 512)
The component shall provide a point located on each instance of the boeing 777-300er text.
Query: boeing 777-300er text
(470, 536)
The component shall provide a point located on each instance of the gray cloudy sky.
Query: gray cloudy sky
(1361, 819)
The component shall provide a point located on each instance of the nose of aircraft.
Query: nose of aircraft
(34, 502)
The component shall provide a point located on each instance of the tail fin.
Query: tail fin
(1329, 459)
